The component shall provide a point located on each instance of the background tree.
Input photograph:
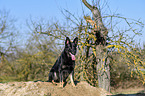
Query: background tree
(7, 40)
(39, 55)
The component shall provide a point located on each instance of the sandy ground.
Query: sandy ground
(48, 89)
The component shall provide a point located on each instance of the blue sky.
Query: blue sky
(23, 9)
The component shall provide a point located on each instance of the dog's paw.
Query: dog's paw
(61, 85)
(74, 86)
(54, 83)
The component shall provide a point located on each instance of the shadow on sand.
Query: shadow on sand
(138, 94)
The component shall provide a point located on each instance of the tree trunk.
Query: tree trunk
(103, 71)
(102, 60)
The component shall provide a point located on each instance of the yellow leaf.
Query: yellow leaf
(103, 59)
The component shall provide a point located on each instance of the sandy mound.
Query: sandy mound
(48, 89)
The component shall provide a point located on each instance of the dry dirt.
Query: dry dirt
(48, 89)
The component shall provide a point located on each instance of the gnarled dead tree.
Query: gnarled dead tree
(101, 54)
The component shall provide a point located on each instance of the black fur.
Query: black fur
(65, 64)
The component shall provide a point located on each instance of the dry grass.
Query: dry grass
(128, 87)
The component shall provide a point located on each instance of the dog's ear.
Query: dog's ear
(67, 41)
(76, 40)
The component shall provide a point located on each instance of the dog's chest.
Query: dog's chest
(68, 65)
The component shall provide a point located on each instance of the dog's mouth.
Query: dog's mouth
(72, 56)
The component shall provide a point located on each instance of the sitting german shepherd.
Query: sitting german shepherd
(65, 64)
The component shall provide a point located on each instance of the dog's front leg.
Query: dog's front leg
(61, 72)
(61, 79)
(72, 79)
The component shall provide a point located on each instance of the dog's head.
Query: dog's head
(71, 47)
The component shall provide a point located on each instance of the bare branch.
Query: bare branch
(87, 5)
(97, 17)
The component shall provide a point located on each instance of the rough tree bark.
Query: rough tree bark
(102, 60)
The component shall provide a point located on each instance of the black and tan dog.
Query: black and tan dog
(65, 64)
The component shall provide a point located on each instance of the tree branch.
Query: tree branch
(87, 5)
(97, 18)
